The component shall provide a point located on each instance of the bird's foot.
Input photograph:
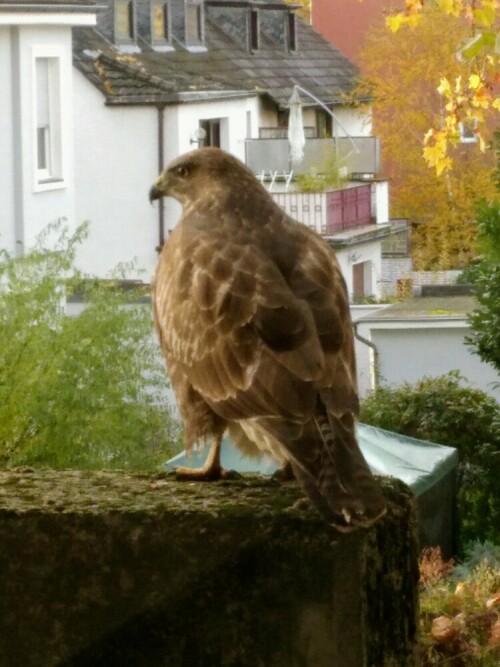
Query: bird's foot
(206, 474)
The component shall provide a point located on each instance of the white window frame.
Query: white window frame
(467, 131)
(55, 174)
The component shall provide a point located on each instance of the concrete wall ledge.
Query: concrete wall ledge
(112, 569)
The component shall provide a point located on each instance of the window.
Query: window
(254, 29)
(212, 132)
(159, 21)
(48, 119)
(291, 33)
(193, 23)
(397, 243)
(324, 125)
(468, 131)
(124, 20)
(43, 159)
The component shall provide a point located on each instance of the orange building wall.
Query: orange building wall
(345, 22)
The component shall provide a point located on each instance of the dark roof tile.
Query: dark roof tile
(226, 66)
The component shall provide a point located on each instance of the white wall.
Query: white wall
(364, 356)
(408, 352)
(116, 163)
(7, 219)
(394, 269)
(380, 201)
(362, 252)
(180, 121)
(29, 209)
(355, 123)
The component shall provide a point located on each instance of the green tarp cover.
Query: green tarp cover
(418, 463)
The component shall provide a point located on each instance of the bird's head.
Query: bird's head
(207, 174)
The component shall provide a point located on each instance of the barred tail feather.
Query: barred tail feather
(339, 483)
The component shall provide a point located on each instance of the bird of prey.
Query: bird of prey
(252, 315)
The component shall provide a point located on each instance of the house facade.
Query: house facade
(152, 79)
(422, 337)
(36, 119)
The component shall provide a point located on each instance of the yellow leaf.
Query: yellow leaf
(413, 20)
(475, 82)
(444, 87)
(395, 22)
(452, 7)
(443, 165)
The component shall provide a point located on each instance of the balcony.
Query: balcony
(359, 155)
(332, 212)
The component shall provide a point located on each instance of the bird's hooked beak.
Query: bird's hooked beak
(155, 193)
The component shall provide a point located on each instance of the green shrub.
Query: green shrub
(445, 411)
(484, 274)
(329, 176)
(86, 391)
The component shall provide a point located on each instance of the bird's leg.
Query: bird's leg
(211, 471)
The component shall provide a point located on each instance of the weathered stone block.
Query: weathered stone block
(118, 570)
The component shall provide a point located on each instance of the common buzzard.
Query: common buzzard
(253, 318)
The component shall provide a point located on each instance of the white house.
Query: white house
(423, 336)
(151, 80)
(36, 116)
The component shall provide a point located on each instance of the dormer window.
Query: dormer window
(124, 21)
(160, 21)
(254, 30)
(194, 34)
(291, 32)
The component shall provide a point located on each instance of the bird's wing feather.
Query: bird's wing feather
(224, 311)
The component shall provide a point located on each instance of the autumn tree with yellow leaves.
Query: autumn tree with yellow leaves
(401, 69)
(469, 96)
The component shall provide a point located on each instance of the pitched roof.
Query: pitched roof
(128, 79)
(225, 68)
(48, 5)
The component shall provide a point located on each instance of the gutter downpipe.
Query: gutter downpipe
(161, 160)
(373, 347)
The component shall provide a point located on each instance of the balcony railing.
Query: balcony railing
(282, 132)
(330, 212)
(359, 155)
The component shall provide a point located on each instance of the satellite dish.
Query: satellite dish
(198, 136)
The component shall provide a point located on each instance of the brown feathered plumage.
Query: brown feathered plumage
(253, 319)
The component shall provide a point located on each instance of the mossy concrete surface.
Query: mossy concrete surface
(112, 569)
